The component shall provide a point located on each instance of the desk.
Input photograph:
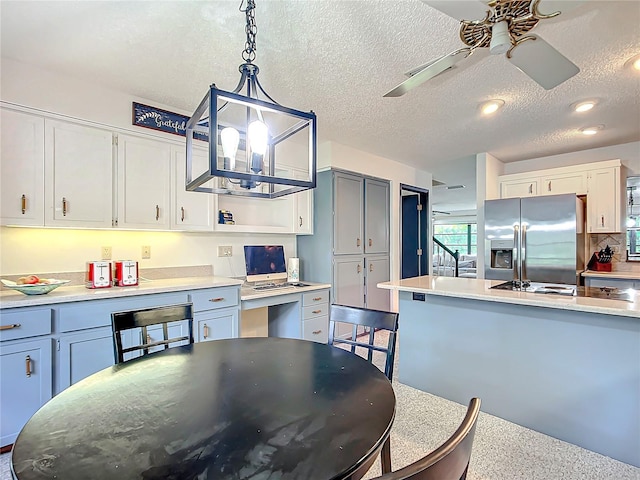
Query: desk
(225, 409)
(295, 312)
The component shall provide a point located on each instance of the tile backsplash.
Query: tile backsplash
(619, 261)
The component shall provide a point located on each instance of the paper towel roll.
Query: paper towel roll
(293, 270)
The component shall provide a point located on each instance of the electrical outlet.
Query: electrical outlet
(146, 251)
(106, 253)
(225, 251)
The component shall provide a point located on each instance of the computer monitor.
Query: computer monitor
(265, 263)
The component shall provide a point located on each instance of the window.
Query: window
(461, 237)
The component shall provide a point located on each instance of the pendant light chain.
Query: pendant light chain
(249, 53)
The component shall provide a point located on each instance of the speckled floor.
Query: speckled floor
(501, 450)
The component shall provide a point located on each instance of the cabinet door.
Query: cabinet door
(191, 211)
(559, 184)
(303, 208)
(21, 169)
(83, 354)
(348, 281)
(519, 188)
(216, 324)
(144, 183)
(377, 271)
(604, 201)
(78, 175)
(25, 384)
(376, 216)
(347, 214)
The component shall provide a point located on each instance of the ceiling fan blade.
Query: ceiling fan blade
(462, 9)
(547, 7)
(543, 63)
(420, 75)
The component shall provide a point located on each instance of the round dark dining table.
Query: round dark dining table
(244, 408)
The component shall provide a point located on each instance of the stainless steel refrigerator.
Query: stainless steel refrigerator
(536, 239)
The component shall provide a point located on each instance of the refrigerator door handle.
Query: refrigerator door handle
(523, 253)
(516, 250)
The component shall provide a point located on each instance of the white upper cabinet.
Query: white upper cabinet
(303, 208)
(603, 212)
(21, 169)
(78, 175)
(144, 183)
(560, 183)
(527, 187)
(192, 211)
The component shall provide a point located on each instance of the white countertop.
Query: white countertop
(11, 299)
(472, 288)
(248, 293)
(620, 275)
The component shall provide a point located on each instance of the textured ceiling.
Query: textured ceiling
(338, 58)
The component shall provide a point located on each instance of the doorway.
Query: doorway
(414, 231)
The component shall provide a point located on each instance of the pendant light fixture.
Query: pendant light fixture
(257, 147)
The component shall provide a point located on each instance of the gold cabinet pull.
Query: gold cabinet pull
(317, 299)
(549, 186)
(316, 311)
(218, 299)
(531, 188)
(23, 204)
(300, 220)
(64, 207)
(359, 269)
(317, 332)
(370, 242)
(157, 212)
(182, 214)
(205, 331)
(148, 338)
(602, 220)
(28, 365)
(357, 242)
(371, 267)
(9, 327)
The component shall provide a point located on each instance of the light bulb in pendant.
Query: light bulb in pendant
(229, 138)
(258, 134)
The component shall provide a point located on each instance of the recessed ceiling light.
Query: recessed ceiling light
(492, 106)
(583, 106)
(591, 130)
(634, 62)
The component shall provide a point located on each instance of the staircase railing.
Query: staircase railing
(438, 248)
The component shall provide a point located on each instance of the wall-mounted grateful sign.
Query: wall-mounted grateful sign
(162, 120)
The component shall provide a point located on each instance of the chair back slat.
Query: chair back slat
(450, 461)
(375, 320)
(123, 321)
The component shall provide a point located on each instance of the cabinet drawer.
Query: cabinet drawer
(313, 298)
(25, 323)
(313, 311)
(212, 298)
(316, 329)
(97, 313)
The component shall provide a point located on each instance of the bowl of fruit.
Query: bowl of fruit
(33, 285)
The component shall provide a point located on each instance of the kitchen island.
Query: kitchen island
(568, 367)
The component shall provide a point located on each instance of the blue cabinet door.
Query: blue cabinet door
(83, 354)
(216, 324)
(25, 383)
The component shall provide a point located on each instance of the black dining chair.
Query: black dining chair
(373, 320)
(450, 461)
(145, 318)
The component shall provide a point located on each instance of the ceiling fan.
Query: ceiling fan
(503, 27)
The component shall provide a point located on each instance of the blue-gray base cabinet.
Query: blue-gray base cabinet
(572, 375)
(45, 349)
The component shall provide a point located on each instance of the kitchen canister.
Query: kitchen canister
(293, 270)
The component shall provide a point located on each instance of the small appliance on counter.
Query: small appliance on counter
(293, 270)
(126, 273)
(99, 275)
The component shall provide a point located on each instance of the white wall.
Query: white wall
(487, 187)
